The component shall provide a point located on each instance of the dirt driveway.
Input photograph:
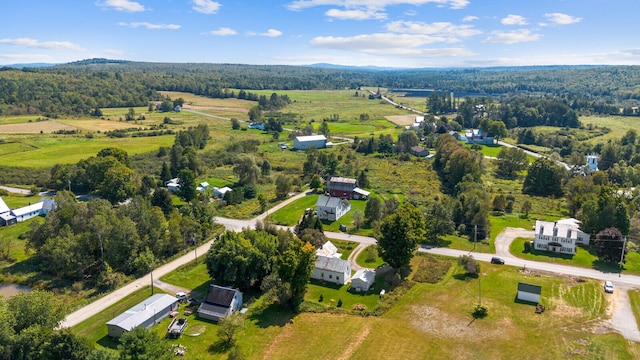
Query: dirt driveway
(622, 319)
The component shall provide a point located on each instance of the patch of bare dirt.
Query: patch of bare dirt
(435, 321)
(562, 309)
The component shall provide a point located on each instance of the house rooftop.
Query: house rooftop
(311, 138)
(332, 264)
(28, 209)
(365, 275)
(138, 314)
(3, 206)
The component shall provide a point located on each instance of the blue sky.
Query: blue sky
(392, 33)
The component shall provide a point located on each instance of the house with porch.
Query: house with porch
(561, 236)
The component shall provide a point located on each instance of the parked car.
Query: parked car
(608, 287)
(182, 297)
(497, 260)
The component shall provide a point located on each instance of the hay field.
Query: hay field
(38, 127)
(103, 125)
(402, 120)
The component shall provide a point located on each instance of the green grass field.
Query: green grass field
(363, 258)
(45, 151)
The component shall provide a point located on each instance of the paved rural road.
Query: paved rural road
(99, 305)
(620, 320)
(16, 190)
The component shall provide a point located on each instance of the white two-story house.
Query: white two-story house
(560, 236)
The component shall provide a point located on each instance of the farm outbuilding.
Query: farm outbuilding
(304, 142)
(529, 293)
(362, 280)
(147, 313)
(219, 303)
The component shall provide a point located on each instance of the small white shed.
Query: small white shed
(529, 293)
(362, 280)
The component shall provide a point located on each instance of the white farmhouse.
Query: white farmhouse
(561, 236)
(303, 142)
(219, 192)
(331, 208)
(332, 270)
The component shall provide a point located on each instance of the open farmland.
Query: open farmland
(430, 321)
(38, 127)
(46, 151)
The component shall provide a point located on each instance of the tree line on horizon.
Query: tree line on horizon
(79, 88)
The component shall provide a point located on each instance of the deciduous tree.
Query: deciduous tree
(400, 234)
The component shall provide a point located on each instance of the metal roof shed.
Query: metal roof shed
(529, 293)
(147, 313)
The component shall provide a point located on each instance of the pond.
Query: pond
(10, 289)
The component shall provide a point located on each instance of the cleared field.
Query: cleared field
(100, 125)
(202, 101)
(402, 120)
(47, 151)
(19, 119)
(619, 125)
(38, 127)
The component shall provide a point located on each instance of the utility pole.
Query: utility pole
(624, 245)
(479, 289)
(475, 236)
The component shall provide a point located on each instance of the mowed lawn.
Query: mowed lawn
(430, 321)
(435, 322)
(47, 151)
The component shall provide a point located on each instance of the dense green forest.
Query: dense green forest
(80, 87)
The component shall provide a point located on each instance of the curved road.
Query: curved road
(622, 310)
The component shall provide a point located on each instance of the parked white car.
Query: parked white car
(181, 296)
(608, 286)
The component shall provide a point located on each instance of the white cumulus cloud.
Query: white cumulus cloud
(223, 31)
(445, 29)
(514, 20)
(562, 19)
(356, 14)
(389, 44)
(271, 33)
(122, 5)
(206, 6)
(298, 5)
(150, 25)
(511, 37)
(51, 45)
(469, 18)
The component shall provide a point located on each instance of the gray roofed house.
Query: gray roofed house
(332, 270)
(219, 303)
(331, 208)
(147, 313)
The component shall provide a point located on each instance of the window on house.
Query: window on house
(541, 230)
(338, 278)
(330, 276)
